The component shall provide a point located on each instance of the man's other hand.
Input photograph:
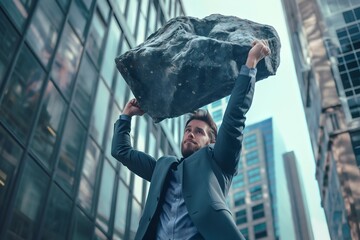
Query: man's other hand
(132, 108)
(259, 50)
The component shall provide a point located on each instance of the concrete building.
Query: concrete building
(300, 215)
(60, 94)
(325, 38)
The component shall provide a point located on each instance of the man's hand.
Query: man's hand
(132, 108)
(259, 50)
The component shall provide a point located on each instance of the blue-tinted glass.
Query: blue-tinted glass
(95, 38)
(119, 6)
(89, 176)
(18, 10)
(120, 90)
(121, 208)
(111, 51)
(131, 14)
(58, 213)
(63, 4)
(22, 93)
(8, 41)
(135, 218)
(70, 152)
(104, 8)
(260, 230)
(50, 119)
(241, 216)
(349, 16)
(10, 154)
(85, 89)
(110, 129)
(29, 202)
(105, 197)
(44, 29)
(97, 127)
(67, 61)
(79, 17)
(357, 12)
(83, 229)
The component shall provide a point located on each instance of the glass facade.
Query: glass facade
(60, 94)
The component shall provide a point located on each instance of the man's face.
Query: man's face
(195, 137)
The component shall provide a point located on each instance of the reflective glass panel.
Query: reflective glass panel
(57, 217)
(138, 187)
(119, 6)
(120, 90)
(50, 120)
(89, 176)
(85, 89)
(131, 14)
(70, 152)
(29, 202)
(63, 4)
(21, 94)
(79, 16)
(44, 29)
(104, 8)
(97, 127)
(95, 38)
(135, 218)
(83, 229)
(105, 197)
(8, 42)
(10, 154)
(111, 51)
(67, 61)
(110, 127)
(121, 208)
(18, 10)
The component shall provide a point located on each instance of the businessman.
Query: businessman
(187, 196)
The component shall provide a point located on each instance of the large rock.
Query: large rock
(191, 62)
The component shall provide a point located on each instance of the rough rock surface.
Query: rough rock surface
(191, 62)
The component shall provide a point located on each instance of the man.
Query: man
(187, 196)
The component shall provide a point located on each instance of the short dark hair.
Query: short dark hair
(204, 115)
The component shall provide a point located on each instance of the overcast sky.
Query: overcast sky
(277, 97)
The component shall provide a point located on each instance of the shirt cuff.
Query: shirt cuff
(125, 117)
(250, 72)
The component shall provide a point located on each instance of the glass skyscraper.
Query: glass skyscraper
(325, 39)
(60, 94)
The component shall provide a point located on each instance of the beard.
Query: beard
(188, 149)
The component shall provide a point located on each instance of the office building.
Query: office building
(325, 39)
(60, 94)
(299, 210)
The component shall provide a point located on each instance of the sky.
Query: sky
(277, 97)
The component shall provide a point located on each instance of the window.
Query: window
(10, 154)
(241, 217)
(260, 230)
(121, 208)
(97, 127)
(120, 90)
(44, 29)
(238, 181)
(258, 211)
(254, 175)
(70, 151)
(83, 228)
(152, 19)
(252, 158)
(131, 15)
(349, 16)
(355, 140)
(67, 61)
(79, 16)
(29, 202)
(135, 218)
(256, 193)
(89, 176)
(56, 221)
(8, 44)
(105, 196)
(217, 115)
(239, 198)
(250, 141)
(95, 38)
(18, 10)
(245, 232)
(85, 90)
(51, 118)
(21, 94)
(111, 51)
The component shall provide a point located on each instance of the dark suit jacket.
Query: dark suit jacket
(207, 173)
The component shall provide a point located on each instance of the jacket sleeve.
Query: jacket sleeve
(138, 162)
(228, 143)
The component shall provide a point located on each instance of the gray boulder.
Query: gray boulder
(191, 62)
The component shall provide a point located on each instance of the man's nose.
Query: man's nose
(191, 134)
